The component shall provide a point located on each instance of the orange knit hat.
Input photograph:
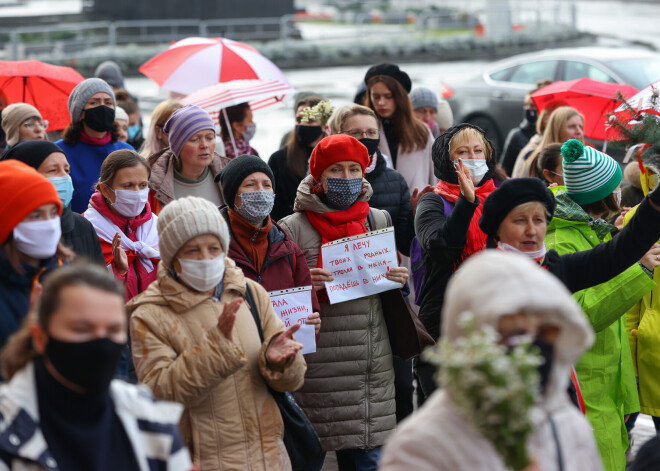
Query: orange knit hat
(22, 190)
(337, 148)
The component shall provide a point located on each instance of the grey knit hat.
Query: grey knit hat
(15, 115)
(83, 92)
(184, 219)
(422, 97)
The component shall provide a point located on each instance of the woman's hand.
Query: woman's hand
(315, 320)
(228, 316)
(464, 180)
(283, 347)
(120, 258)
(319, 277)
(417, 194)
(398, 274)
(651, 259)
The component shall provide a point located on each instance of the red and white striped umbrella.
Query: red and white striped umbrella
(194, 63)
(646, 101)
(258, 93)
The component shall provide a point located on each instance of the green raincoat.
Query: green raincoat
(643, 326)
(605, 372)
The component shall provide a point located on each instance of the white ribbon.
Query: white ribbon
(146, 246)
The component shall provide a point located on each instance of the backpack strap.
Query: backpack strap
(249, 299)
(378, 219)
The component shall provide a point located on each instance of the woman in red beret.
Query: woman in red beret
(30, 236)
(349, 386)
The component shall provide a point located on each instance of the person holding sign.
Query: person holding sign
(195, 341)
(260, 248)
(348, 393)
(447, 221)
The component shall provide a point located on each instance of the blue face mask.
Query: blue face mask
(64, 187)
(133, 131)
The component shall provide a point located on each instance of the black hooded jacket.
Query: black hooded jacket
(443, 237)
(79, 235)
(391, 193)
(517, 138)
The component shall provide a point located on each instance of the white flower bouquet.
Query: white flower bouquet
(494, 385)
(320, 112)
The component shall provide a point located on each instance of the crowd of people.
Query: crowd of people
(137, 331)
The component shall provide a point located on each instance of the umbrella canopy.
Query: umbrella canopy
(258, 93)
(594, 99)
(194, 63)
(45, 86)
(646, 101)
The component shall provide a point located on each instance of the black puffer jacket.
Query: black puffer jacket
(517, 138)
(391, 194)
(79, 235)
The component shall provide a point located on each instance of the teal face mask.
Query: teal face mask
(133, 131)
(64, 187)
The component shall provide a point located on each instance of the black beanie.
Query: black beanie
(510, 194)
(32, 153)
(391, 70)
(235, 172)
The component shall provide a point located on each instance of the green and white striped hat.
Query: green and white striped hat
(589, 175)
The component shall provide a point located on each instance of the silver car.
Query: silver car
(493, 99)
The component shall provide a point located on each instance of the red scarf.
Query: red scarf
(95, 141)
(476, 239)
(339, 224)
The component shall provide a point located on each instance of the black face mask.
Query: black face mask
(90, 365)
(306, 135)
(547, 351)
(370, 144)
(530, 116)
(100, 118)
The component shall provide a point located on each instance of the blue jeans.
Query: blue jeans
(358, 459)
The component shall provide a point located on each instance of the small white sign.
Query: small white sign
(294, 306)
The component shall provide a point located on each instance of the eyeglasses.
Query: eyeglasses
(35, 122)
(359, 133)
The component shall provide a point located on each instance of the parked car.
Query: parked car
(493, 99)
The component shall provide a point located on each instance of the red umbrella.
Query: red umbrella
(45, 86)
(594, 99)
(194, 63)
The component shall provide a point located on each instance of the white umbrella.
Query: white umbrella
(257, 93)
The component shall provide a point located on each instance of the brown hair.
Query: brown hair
(296, 155)
(129, 106)
(412, 133)
(603, 208)
(71, 134)
(551, 135)
(115, 161)
(235, 114)
(548, 159)
(19, 350)
(355, 110)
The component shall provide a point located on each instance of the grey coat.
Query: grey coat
(348, 393)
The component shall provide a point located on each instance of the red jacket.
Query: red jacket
(285, 266)
(137, 278)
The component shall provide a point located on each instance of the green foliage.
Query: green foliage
(633, 127)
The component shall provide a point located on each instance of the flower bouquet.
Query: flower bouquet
(320, 112)
(493, 385)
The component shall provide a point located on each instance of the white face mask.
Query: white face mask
(535, 255)
(477, 167)
(38, 239)
(130, 203)
(202, 275)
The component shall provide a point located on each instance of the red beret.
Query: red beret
(337, 148)
(22, 190)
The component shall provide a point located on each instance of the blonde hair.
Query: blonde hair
(551, 135)
(335, 120)
(464, 136)
(355, 110)
(158, 119)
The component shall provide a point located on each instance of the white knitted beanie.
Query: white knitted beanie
(184, 219)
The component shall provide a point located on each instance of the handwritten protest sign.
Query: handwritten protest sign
(294, 306)
(359, 265)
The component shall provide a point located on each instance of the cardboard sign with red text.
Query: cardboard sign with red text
(359, 265)
(294, 306)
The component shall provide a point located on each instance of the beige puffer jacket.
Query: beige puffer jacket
(439, 436)
(349, 386)
(230, 421)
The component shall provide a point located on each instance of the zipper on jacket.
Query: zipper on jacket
(253, 239)
(367, 398)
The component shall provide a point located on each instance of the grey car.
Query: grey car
(493, 99)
